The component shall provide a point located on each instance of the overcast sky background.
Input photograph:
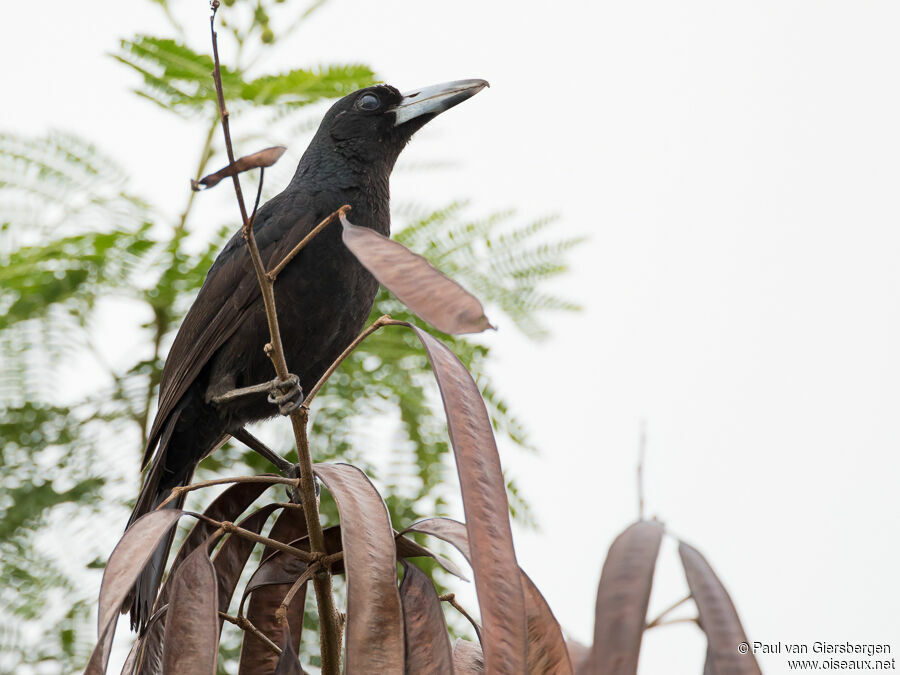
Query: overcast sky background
(735, 166)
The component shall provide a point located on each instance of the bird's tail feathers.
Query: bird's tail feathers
(157, 486)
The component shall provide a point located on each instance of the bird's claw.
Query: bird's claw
(286, 394)
(293, 494)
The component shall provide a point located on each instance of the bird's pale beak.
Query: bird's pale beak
(435, 99)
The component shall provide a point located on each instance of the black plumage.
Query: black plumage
(322, 297)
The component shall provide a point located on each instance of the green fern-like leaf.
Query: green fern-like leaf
(59, 184)
(502, 264)
(174, 76)
(72, 270)
(179, 79)
(301, 87)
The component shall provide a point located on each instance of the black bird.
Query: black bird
(323, 296)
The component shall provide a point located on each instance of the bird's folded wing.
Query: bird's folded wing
(227, 296)
(224, 300)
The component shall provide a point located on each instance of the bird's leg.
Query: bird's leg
(284, 466)
(286, 394)
(233, 394)
(252, 442)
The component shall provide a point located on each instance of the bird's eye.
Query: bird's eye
(368, 102)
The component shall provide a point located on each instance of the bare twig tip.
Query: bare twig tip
(330, 639)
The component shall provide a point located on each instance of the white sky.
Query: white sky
(735, 165)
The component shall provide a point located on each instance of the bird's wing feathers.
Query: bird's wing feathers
(214, 316)
(228, 294)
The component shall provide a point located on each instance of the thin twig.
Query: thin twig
(326, 562)
(642, 451)
(245, 624)
(684, 619)
(205, 155)
(329, 623)
(329, 618)
(384, 320)
(227, 527)
(223, 112)
(451, 599)
(330, 560)
(262, 173)
(305, 556)
(275, 271)
(273, 480)
(281, 612)
(667, 610)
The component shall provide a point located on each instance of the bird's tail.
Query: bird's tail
(159, 483)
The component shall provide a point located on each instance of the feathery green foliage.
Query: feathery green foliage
(178, 79)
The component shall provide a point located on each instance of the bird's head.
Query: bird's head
(373, 125)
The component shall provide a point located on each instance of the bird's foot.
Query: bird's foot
(293, 495)
(286, 394)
